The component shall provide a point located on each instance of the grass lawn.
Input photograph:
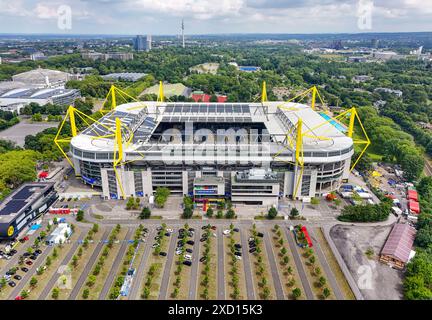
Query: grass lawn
(312, 276)
(334, 265)
(160, 264)
(267, 274)
(284, 275)
(105, 270)
(212, 285)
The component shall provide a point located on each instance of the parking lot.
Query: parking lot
(174, 261)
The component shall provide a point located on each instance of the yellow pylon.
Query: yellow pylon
(113, 98)
(118, 153)
(160, 97)
(72, 120)
(264, 92)
(314, 92)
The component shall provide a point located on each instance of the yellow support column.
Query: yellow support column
(351, 123)
(113, 98)
(264, 92)
(314, 92)
(118, 137)
(299, 140)
(72, 121)
(160, 97)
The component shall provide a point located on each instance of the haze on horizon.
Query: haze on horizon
(216, 17)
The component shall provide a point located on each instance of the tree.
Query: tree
(296, 293)
(80, 215)
(322, 281)
(145, 213)
(86, 293)
(219, 214)
(74, 261)
(33, 282)
(24, 294)
(272, 213)
(95, 228)
(161, 196)
(37, 117)
(294, 213)
(187, 213)
(230, 214)
(326, 293)
(209, 212)
(55, 293)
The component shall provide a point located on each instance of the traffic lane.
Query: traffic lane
(247, 264)
(195, 264)
(168, 263)
(89, 266)
(139, 275)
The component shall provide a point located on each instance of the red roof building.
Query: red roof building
(412, 195)
(199, 96)
(397, 249)
(414, 206)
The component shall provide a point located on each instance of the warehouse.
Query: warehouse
(23, 206)
(397, 249)
(221, 150)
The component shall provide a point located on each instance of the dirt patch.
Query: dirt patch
(375, 280)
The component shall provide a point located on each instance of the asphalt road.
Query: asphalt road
(299, 265)
(27, 276)
(139, 276)
(330, 276)
(89, 266)
(46, 291)
(169, 259)
(195, 266)
(247, 264)
(114, 269)
(273, 267)
(220, 267)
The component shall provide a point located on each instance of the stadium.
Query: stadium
(251, 153)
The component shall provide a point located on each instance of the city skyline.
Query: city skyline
(207, 17)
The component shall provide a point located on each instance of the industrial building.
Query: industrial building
(14, 100)
(123, 56)
(24, 205)
(43, 78)
(251, 153)
(398, 248)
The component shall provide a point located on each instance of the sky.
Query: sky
(214, 16)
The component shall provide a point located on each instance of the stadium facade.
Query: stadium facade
(252, 153)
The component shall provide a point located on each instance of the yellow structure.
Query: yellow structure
(113, 94)
(264, 92)
(160, 97)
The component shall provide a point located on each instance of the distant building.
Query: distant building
(124, 56)
(362, 78)
(397, 93)
(397, 249)
(249, 68)
(199, 96)
(139, 43)
(38, 56)
(385, 55)
(149, 43)
(125, 76)
(14, 100)
(357, 59)
(43, 78)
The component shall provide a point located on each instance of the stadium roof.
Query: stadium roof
(40, 76)
(34, 93)
(142, 118)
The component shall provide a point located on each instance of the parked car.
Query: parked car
(189, 250)
(155, 245)
(163, 254)
(26, 254)
(213, 227)
(238, 246)
(203, 239)
(260, 234)
(252, 250)
(226, 232)
(24, 269)
(33, 257)
(236, 230)
(167, 234)
(17, 277)
(188, 257)
(187, 263)
(29, 263)
(203, 259)
(179, 252)
(191, 242)
(238, 253)
(238, 257)
(12, 284)
(39, 251)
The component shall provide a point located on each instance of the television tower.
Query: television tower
(182, 27)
